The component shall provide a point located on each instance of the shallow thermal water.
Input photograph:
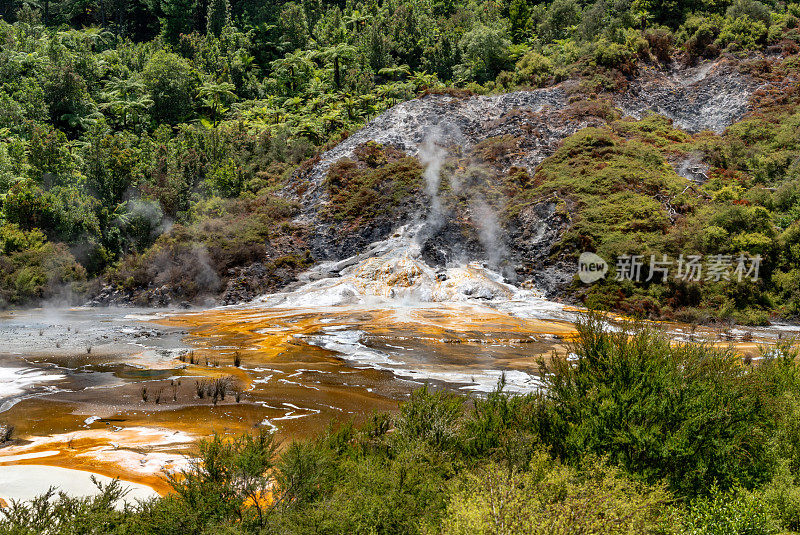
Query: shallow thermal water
(115, 391)
(48, 350)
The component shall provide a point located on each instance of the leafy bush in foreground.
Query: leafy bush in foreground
(690, 414)
(550, 498)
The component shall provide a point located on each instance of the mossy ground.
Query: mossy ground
(625, 197)
(376, 183)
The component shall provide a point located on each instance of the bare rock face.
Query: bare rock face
(709, 96)
(534, 232)
(450, 120)
(536, 120)
(691, 167)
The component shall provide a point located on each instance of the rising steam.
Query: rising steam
(490, 233)
(432, 156)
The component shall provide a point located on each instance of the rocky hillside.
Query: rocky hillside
(480, 155)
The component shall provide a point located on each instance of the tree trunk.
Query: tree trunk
(336, 79)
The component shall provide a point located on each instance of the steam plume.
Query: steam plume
(490, 233)
(432, 156)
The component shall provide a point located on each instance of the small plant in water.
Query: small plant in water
(237, 359)
(6, 432)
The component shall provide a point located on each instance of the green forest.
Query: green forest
(637, 436)
(145, 143)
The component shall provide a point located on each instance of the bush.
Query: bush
(660, 41)
(534, 69)
(48, 271)
(701, 33)
(228, 479)
(194, 260)
(612, 55)
(551, 498)
(734, 512)
(742, 34)
(689, 414)
(431, 417)
(13, 239)
(61, 514)
(782, 498)
(380, 182)
(752, 9)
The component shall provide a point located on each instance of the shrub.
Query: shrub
(13, 239)
(689, 414)
(228, 479)
(742, 34)
(504, 427)
(660, 41)
(782, 498)
(45, 272)
(378, 183)
(753, 9)
(60, 514)
(701, 33)
(552, 498)
(733, 512)
(430, 416)
(613, 55)
(194, 260)
(533, 68)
